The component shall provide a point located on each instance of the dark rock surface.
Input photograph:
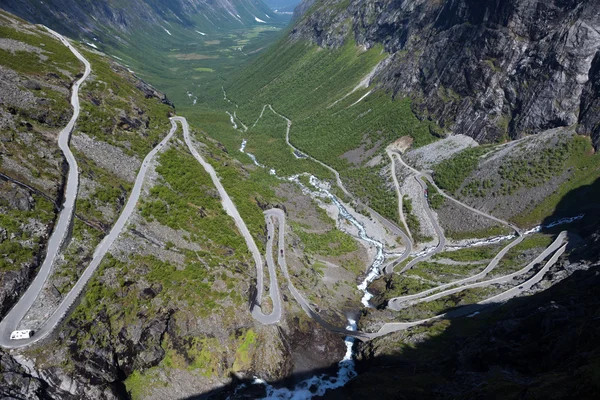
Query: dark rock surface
(485, 68)
(17, 382)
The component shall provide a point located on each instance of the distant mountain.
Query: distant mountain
(117, 23)
(282, 5)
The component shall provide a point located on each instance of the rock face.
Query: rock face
(18, 382)
(488, 69)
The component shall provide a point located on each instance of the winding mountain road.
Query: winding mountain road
(398, 192)
(472, 309)
(513, 292)
(11, 321)
(61, 229)
(397, 304)
(492, 264)
(389, 268)
(386, 222)
(232, 211)
(279, 215)
(460, 203)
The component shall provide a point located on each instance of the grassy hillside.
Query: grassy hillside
(332, 122)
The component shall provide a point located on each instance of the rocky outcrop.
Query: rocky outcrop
(589, 119)
(21, 382)
(485, 68)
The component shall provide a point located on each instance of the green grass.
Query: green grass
(451, 173)
(517, 258)
(436, 200)
(412, 221)
(495, 230)
(301, 81)
(59, 56)
(13, 254)
(185, 199)
(435, 307)
(107, 96)
(333, 243)
(243, 355)
(267, 142)
(405, 284)
(583, 163)
(536, 169)
(439, 272)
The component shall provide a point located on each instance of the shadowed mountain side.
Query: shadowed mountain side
(584, 200)
(541, 346)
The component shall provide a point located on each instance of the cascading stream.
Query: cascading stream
(319, 384)
(374, 270)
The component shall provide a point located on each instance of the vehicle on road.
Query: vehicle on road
(23, 334)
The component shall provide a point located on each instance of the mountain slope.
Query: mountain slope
(488, 69)
(166, 313)
(93, 19)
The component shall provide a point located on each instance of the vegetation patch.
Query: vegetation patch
(333, 243)
(583, 165)
(451, 173)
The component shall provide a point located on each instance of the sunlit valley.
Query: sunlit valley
(286, 199)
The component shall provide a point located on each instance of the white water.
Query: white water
(535, 229)
(317, 385)
(194, 98)
(252, 157)
(232, 119)
(374, 270)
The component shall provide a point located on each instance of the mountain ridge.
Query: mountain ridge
(486, 69)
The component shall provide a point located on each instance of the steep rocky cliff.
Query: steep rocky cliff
(489, 69)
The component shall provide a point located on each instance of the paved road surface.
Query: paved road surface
(11, 321)
(509, 294)
(279, 216)
(474, 308)
(396, 300)
(65, 217)
(232, 211)
(398, 192)
(558, 242)
(436, 226)
(386, 222)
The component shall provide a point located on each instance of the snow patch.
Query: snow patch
(359, 100)
(166, 30)
(202, 33)
(259, 20)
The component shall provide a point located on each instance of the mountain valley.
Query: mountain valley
(395, 199)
